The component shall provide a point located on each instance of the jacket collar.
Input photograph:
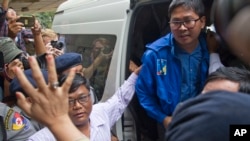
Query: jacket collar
(168, 42)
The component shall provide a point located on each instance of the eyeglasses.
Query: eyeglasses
(82, 99)
(188, 24)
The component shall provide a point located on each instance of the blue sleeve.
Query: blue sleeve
(146, 86)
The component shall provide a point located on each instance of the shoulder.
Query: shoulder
(98, 115)
(163, 42)
(17, 127)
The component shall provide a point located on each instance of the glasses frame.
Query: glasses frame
(87, 97)
(183, 23)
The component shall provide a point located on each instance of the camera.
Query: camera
(57, 44)
(41, 60)
(25, 62)
(107, 50)
(28, 21)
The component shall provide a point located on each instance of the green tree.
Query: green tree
(45, 18)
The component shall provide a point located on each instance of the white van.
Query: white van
(128, 25)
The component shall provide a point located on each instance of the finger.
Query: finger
(17, 17)
(25, 84)
(52, 75)
(67, 84)
(23, 103)
(37, 74)
(56, 54)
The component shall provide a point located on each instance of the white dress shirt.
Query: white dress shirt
(214, 62)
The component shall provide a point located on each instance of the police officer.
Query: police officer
(13, 126)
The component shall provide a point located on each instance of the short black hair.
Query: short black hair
(235, 74)
(196, 5)
(76, 83)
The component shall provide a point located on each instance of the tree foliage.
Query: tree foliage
(45, 18)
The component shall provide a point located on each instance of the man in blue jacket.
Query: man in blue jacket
(175, 66)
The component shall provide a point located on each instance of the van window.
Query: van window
(97, 52)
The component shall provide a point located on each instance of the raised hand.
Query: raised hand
(49, 102)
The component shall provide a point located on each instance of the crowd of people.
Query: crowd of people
(180, 72)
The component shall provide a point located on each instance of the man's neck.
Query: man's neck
(189, 47)
(85, 129)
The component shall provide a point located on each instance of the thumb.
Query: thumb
(23, 103)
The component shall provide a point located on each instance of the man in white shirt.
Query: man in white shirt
(94, 121)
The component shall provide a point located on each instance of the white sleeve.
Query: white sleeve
(214, 62)
(116, 105)
(42, 135)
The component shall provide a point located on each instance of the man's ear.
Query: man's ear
(203, 21)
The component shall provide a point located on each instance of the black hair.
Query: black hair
(196, 5)
(76, 83)
(235, 74)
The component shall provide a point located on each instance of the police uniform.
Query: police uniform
(37, 126)
(15, 126)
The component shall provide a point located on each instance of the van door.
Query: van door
(149, 21)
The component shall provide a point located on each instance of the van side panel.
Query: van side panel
(89, 19)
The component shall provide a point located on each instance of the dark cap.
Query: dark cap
(67, 61)
(9, 49)
(208, 117)
(15, 85)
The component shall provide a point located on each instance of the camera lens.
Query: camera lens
(107, 50)
(57, 45)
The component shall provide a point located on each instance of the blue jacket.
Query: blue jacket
(159, 86)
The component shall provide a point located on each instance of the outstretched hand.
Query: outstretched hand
(46, 100)
(49, 102)
(36, 29)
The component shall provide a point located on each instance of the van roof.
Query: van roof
(85, 3)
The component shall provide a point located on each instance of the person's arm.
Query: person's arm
(146, 88)
(88, 72)
(3, 21)
(116, 105)
(214, 62)
(5, 5)
(48, 100)
(38, 40)
(14, 131)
